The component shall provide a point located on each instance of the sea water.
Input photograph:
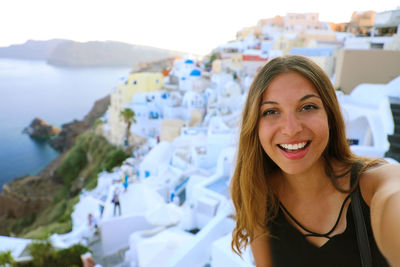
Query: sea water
(58, 95)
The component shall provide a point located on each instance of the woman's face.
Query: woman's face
(293, 126)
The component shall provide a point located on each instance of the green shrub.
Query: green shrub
(103, 156)
(44, 254)
(57, 211)
(41, 253)
(70, 256)
(114, 158)
(72, 165)
(23, 223)
(6, 258)
(44, 231)
(91, 184)
(63, 193)
(95, 145)
(66, 216)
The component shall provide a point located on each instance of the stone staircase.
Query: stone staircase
(115, 260)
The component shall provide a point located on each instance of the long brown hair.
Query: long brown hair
(250, 190)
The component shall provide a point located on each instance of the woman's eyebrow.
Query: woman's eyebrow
(301, 99)
(308, 96)
(269, 102)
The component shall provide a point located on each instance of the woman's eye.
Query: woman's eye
(309, 107)
(269, 112)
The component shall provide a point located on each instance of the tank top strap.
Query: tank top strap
(354, 174)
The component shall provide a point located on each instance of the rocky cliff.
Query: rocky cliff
(31, 49)
(41, 130)
(69, 131)
(27, 196)
(94, 54)
(89, 54)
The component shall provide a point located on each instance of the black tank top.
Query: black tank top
(289, 247)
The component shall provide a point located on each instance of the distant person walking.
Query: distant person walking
(92, 223)
(125, 180)
(115, 200)
(101, 209)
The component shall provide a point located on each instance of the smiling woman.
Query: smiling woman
(295, 175)
(290, 120)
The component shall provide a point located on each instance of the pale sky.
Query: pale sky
(184, 25)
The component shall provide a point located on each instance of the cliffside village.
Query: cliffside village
(173, 192)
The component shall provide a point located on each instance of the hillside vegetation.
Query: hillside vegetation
(90, 155)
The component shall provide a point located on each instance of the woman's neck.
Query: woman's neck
(306, 186)
(311, 184)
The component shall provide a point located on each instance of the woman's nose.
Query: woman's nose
(291, 125)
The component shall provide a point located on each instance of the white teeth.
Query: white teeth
(293, 146)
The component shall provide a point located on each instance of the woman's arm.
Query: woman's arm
(382, 192)
(261, 250)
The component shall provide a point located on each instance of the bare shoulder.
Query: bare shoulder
(383, 177)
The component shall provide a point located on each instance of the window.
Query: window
(376, 45)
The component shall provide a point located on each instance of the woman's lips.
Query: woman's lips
(292, 151)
